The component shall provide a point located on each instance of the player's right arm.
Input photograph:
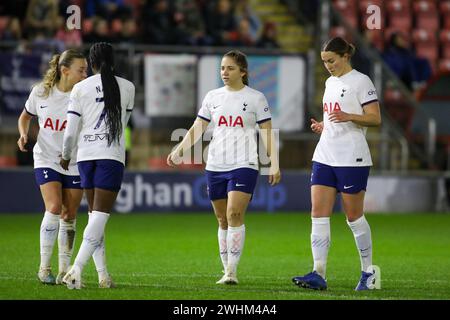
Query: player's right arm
(24, 125)
(193, 135)
(316, 127)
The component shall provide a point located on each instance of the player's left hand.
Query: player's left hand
(275, 177)
(64, 164)
(339, 116)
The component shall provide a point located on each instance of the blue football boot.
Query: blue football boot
(369, 280)
(312, 280)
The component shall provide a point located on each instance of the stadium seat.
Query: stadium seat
(444, 37)
(338, 31)
(397, 107)
(348, 11)
(426, 15)
(444, 65)
(375, 37)
(399, 14)
(426, 45)
(444, 10)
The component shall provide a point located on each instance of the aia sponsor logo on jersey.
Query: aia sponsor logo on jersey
(231, 121)
(55, 125)
(330, 107)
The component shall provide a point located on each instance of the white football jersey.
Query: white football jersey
(86, 107)
(51, 113)
(234, 115)
(344, 144)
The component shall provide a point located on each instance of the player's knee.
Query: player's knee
(353, 215)
(234, 215)
(223, 223)
(54, 207)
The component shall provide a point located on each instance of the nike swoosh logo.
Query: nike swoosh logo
(215, 107)
(50, 230)
(348, 187)
(240, 185)
(76, 182)
(42, 107)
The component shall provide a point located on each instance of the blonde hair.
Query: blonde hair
(53, 73)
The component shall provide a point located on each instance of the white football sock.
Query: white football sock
(92, 237)
(48, 234)
(66, 241)
(320, 244)
(222, 236)
(99, 257)
(363, 238)
(235, 245)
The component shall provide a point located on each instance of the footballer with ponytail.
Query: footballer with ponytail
(97, 116)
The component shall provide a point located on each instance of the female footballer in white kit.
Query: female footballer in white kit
(232, 165)
(341, 163)
(60, 189)
(98, 113)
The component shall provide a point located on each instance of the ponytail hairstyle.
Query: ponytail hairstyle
(241, 60)
(53, 74)
(339, 46)
(101, 57)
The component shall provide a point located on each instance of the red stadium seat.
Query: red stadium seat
(426, 45)
(397, 107)
(444, 38)
(348, 11)
(399, 15)
(338, 31)
(444, 65)
(426, 15)
(444, 10)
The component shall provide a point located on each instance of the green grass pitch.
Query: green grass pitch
(175, 256)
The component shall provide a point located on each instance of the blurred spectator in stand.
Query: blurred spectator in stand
(100, 31)
(108, 9)
(242, 11)
(127, 33)
(70, 38)
(220, 23)
(268, 39)
(16, 8)
(157, 23)
(41, 18)
(13, 30)
(410, 69)
(190, 19)
(244, 37)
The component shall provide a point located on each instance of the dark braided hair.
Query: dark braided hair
(101, 57)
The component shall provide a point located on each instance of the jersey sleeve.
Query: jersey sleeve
(130, 105)
(205, 112)
(262, 110)
(366, 92)
(74, 102)
(30, 104)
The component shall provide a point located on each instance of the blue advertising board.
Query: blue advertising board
(173, 191)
